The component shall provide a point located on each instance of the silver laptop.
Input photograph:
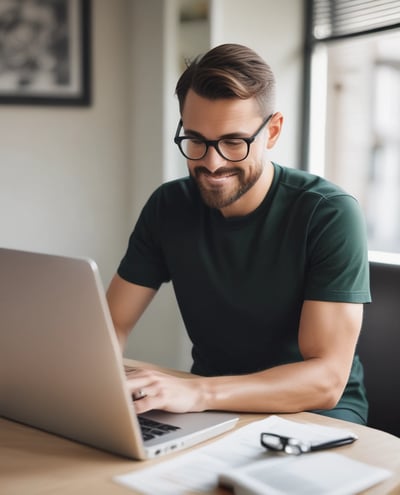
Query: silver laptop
(61, 368)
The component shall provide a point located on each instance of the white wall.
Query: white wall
(73, 180)
(275, 31)
(159, 335)
(63, 171)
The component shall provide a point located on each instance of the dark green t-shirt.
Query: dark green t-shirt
(240, 282)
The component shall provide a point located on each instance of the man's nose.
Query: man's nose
(213, 160)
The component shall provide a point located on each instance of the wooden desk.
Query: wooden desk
(34, 462)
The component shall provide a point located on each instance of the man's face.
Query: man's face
(221, 182)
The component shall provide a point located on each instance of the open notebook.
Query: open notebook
(61, 369)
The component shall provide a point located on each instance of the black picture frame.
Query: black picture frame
(45, 52)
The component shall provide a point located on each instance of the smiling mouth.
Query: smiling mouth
(216, 180)
(220, 175)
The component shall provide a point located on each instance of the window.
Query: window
(353, 114)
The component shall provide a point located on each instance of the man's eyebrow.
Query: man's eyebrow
(191, 132)
(231, 135)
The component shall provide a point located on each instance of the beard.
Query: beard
(219, 196)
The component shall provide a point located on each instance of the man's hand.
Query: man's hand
(153, 389)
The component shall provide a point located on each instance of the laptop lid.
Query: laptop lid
(61, 368)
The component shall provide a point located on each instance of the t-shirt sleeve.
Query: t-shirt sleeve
(144, 263)
(338, 254)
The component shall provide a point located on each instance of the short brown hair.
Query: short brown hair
(229, 71)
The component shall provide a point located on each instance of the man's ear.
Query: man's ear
(274, 129)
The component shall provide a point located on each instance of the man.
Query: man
(269, 264)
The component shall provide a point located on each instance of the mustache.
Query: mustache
(221, 172)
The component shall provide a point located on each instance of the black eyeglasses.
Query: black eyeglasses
(233, 149)
(294, 446)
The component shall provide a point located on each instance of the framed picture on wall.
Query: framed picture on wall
(45, 52)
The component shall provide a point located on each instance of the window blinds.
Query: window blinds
(335, 19)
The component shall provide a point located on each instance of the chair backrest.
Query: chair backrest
(379, 348)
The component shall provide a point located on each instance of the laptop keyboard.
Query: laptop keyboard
(152, 429)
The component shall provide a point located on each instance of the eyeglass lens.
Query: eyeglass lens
(230, 149)
(283, 444)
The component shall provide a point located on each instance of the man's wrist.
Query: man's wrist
(205, 394)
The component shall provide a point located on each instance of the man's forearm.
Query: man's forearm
(293, 387)
(122, 337)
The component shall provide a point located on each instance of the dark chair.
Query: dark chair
(379, 348)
